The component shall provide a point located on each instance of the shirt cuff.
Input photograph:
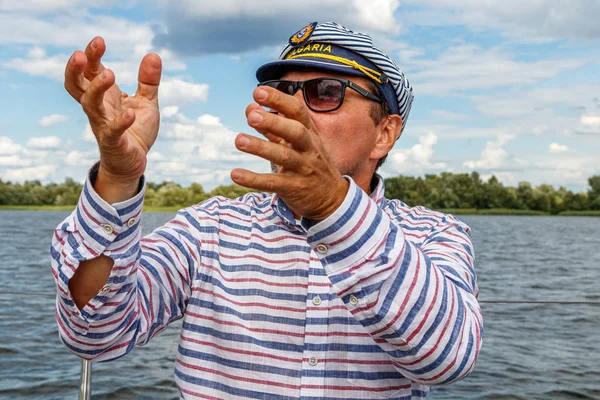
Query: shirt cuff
(98, 228)
(349, 234)
(107, 228)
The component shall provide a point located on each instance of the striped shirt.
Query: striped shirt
(378, 300)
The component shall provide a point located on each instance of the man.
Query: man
(323, 289)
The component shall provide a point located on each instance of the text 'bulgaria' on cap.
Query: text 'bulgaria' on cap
(330, 46)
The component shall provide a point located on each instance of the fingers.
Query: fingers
(92, 99)
(149, 77)
(83, 68)
(75, 83)
(94, 52)
(262, 182)
(279, 154)
(269, 136)
(117, 126)
(290, 106)
(284, 128)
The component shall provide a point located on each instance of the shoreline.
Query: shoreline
(454, 211)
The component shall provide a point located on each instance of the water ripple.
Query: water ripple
(530, 351)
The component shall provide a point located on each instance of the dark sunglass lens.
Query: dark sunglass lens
(282, 86)
(323, 94)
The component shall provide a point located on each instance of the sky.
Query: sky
(507, 88)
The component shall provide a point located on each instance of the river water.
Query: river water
(530, 351)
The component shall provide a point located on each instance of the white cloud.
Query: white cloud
(52, 120)
(121, 35)
(53, 67)
(448, 131)
(590, 120)
(449, 115)
(126, 41)
(36, 53)
(173, 115)
(50, 67)
(470, 67)
(567, 168)
(36, 6)
(156, 156)
(200, 150)
(590, 124)
(557, 148)
(375, 14)
(417, 159)
(13, 161)
(209, 120)
(529, 102)
(530, 21)
(77, 158)
(493, 155)
(236, 26)
(8, 146)
(126, 70)
(45, 142)
(170, 111)
(507, 178)
(88, 135)
(176, 91)
(405, 52)
(39, 172)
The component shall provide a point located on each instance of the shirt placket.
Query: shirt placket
(315, 344)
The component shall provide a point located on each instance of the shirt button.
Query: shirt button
(353, 300)
(131, 222)
(105, 289)
(107, 228)
(322, 248)
(316, 300)
(313, 361)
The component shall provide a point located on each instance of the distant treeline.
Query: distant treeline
(443, 191)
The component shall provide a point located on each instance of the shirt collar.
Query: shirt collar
(377, 189)
(287, 215)
(283, 211)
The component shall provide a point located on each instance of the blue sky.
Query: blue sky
(503, 88)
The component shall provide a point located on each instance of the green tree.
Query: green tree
(594, 192)
(197, 193)
(67, 193)
(171, 195)
(231, 191)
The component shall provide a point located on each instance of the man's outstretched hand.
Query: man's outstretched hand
(307, 179)
(125, 126)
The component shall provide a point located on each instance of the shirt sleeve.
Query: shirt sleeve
(149, 284)
(418, 303)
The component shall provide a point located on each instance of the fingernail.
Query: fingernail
(261, 94)
(243, 141)
(102, 76)
(236, 175)
(255, 117)
(94, 44)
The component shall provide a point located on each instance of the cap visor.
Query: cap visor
(276, 69)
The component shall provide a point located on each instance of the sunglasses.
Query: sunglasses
(321, 94)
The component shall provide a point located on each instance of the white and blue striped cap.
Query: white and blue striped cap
(332, 47)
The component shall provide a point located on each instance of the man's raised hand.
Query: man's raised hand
(125, 126)
(307, 180)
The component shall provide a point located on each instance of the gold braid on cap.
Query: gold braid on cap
(371, 73)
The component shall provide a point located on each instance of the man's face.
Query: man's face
(348, 133)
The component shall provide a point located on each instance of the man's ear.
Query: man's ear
(388, 131)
